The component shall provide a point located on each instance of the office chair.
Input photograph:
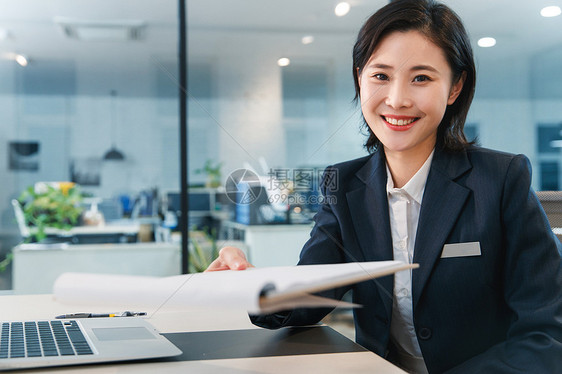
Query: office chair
(551, 202)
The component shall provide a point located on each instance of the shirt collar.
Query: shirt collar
(416, 185)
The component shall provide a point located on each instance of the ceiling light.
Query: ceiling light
(486, 42)
(113, 154)
(307, 39)
(551, 11)
(102, 30)
(284, 61)
(342, 9)
(21, 59)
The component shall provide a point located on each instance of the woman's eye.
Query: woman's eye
(421, 78)
(381, 77)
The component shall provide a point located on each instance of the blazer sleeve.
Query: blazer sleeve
(532, 275)
(324, 247)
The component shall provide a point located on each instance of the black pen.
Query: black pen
(100, 315)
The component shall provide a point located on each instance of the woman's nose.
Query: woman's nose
(398, 96)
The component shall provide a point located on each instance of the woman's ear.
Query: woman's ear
(358, 77)
(456, 89)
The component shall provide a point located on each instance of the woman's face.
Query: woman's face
(405, 88)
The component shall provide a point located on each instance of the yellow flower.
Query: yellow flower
(65, 187)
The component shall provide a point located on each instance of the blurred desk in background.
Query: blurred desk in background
(36, 265)
(269, 245)
(114, 233)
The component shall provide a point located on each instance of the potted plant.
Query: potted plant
(202, 249)
(6, 261)
(51, 205)
(213, 172)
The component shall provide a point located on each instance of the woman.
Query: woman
(487, 296)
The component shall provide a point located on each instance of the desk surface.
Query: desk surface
(21, 307)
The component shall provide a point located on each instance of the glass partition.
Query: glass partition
(94, 103)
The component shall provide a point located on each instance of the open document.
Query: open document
(256, 290)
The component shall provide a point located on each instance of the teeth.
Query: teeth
(399, 122)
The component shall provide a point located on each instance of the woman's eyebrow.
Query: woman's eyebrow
(413, 68)
(424, 67)
(379, 66)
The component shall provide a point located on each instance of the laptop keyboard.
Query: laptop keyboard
(42, 339)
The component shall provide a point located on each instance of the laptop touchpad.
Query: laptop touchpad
(122, 333)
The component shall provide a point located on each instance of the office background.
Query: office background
(76, 99)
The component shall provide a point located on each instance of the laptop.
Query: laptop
(43, 343)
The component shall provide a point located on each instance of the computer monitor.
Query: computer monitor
(200, 200)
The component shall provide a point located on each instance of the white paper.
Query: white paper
(287, 286)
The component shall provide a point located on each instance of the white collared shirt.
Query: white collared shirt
(404, 208)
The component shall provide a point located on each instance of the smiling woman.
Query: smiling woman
(405, 89)
(467, 215)
(450, 67)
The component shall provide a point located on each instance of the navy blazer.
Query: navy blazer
(500, 311)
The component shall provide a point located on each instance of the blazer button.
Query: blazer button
(424, 333)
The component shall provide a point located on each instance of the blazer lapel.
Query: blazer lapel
(442, 203)
(368, 206)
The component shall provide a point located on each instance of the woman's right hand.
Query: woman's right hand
(230, 258)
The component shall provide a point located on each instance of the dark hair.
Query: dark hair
(444, 28)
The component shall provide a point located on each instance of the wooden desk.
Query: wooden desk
(22, 307)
